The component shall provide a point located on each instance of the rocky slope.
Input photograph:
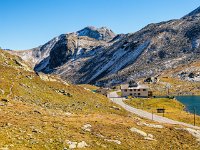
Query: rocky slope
(43, 112)
(182, 80)
(99, 57)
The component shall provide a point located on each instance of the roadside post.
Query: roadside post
(194, 116)
(163, 111)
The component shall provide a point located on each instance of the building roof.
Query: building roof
(126, 86)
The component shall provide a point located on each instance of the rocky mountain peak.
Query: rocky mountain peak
(102, 33)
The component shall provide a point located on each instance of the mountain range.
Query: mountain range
(99, 56)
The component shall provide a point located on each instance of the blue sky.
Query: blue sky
(25, 24)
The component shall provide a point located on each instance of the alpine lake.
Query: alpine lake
(192, 103)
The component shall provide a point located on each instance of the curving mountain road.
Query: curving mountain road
(118, 100)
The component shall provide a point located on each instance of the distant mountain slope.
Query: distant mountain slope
(99, 57)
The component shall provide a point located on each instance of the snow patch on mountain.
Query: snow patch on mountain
(195, 43)
(43, 65)
(119, 59)
(129, 57)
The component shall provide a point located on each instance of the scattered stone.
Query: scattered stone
(9, 124)
(63, 92)
(115, 141)
(67, 94)
(115, 107)
(195, 133)
(150, 125)
(68, 114)
(2, 104)
(148, 138)
(98, 106)
(142, 133)
(73, 145)
(36, 130)
(4, 100)
(82, 144)
(87, 127)
(33, 141)
(37, 112)
(99, 135)
(2, 91)
(138, 131)
(4, 148)
(29, 77)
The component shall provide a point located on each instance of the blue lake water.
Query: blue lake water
(190, 103)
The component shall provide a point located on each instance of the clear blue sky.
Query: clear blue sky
(29, 23)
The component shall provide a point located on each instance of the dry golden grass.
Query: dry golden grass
(49, 129)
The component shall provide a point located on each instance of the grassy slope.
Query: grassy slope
(174, 109)
(36, 116)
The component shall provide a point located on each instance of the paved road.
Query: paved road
(118, 100)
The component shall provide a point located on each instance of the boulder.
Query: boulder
(142, 133)
(2, 91)
(87, 127)
(195, 133)
(71, 144)
(150, 125)
(138, 131)
(115, 141)
(82, 144)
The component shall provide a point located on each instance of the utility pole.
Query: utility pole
(194, 116)
(163, 111)
(167, 88)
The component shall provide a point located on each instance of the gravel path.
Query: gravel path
(118, 100)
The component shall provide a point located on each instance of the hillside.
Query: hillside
(182, 80)
(98, 56)
(44, 112)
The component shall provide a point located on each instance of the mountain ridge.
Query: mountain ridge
(98, 56)
(193, 13)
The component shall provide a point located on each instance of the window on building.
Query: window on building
(131, 90)
(125, 90)
(134, 89)
(144, 89)
(138, 94)
(131, 94)
(138, 89)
